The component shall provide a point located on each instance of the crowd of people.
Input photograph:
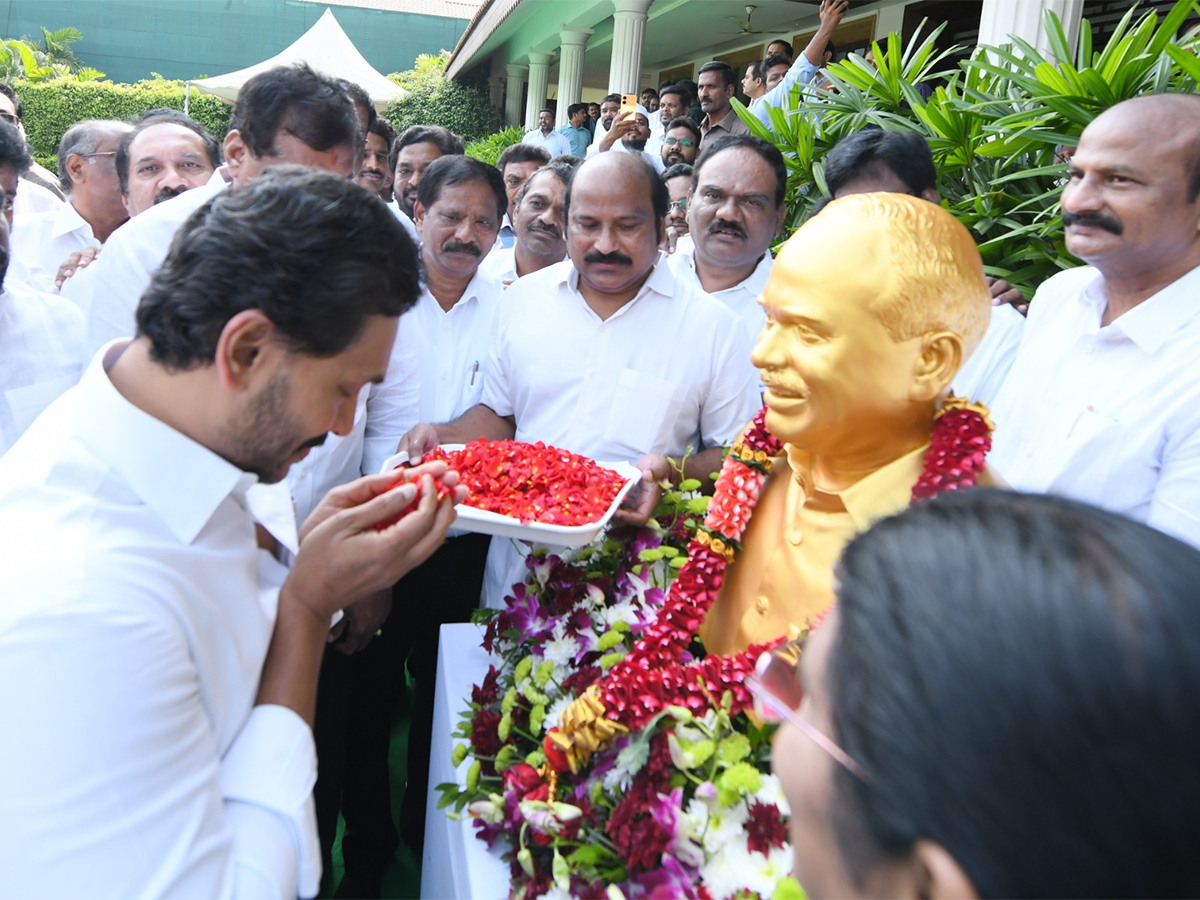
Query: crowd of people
(211, 354)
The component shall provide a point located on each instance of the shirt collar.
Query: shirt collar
(69, 220)
(1156, 319)
(477, 289)
(755, 282)
(660, 280)
(180, 481)
(884, 492)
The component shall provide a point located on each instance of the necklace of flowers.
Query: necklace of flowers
(659, 672)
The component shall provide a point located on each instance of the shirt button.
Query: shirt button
(795, 536)
(762, 605)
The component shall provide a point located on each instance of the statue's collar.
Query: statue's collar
(884, 492)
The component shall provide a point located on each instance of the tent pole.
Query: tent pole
(187, 91)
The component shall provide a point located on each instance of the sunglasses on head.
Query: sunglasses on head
(778, 694)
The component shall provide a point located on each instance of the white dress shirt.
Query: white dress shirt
(1108, 415)
(801, 72)
(404, 220)
(619, 147)
(663, 373)
(986, 369)
(500, 265)
(42, 242)
(553, 143)
(136, 614)
(33, 199)
(437, 370)
(41, 348)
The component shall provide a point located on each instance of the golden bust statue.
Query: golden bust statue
(872, 307)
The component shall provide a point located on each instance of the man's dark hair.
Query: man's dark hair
(560, 170)
(756, 70)
(775, 59)
(82, 139)
(163, 116)
(679, 170)
(360, 98)
(831, 49)
(769, 153)
(726, 70)
(864, 153)
(611, 98)
(678, 90)
(521, 153)
(305, 246)
(567, 159)
(13, 150)
(7, 90)
(446, 140)
(789, 52)
(575, 108)
(311, 107)
(545, 109)
(449, 170)
(685, 122)
(383, 128)
(660, 197)
(1040, 657)
(649, 90)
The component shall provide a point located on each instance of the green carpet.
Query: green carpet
(402, 879)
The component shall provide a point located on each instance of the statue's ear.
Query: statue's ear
(939, 361)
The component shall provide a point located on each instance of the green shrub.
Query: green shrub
(994, 124)
(51, 107)
(433, 100)
(488, 149)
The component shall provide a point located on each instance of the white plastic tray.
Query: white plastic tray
(481, 521)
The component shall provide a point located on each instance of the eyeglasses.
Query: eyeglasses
(778, 694)
(91, 157)
(682, 142)
(9, 118)
(680, 205)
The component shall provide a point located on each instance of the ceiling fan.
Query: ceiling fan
(746, 27)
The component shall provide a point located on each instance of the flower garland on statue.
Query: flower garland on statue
(659, 672)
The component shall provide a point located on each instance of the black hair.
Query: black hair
(521, 153)
(360, 98)
(688, 123)
(679, 170)
(313, 108)
(660, 197)
(447, 170)
(791, 52)
(574, 108)
(677, 89)
(1019, 676)
(545, 109)
(775, 59)
(83, 139)
(13, 151)
(163, 116)
(304, 246)
(726, 70)
(567, 159)
(831, 49)
(861, 154)
(649, 90)
(560, 170)
(446, 140)
(381, 127)
(756, 70)
(7, 90)
(768, 152)
(611, 98)
(662, 86)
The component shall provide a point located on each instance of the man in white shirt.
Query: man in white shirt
(539, 225)
(671, 105)
(735, 209)
(516, 164)
(41, 342)
(375, 172)
(546, 137)
(164, 155)
(630, 133)
(609, 107)
(42, 193)
(157, 669)
(818, 53)
(1102, 403)
(415, 148)
(437, 371)
(609, 355)
(94, 208)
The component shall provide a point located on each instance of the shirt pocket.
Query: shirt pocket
(644, 412)
(27, 403)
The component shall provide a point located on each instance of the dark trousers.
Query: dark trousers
(357, 702)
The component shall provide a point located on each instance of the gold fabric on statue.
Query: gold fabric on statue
(872, 307)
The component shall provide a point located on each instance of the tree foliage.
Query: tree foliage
(434, 100)
(994, 124)
(488, 149)
(51, 107)
(50, 59)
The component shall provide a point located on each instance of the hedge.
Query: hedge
(433, 100)
(51, 107)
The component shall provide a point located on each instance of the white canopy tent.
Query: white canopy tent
(325, 48)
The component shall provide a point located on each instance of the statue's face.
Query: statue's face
(836, 381)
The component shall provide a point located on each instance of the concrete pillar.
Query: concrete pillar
(570, 70)
(629, 33)
(1001, 18)
(512, 95)
(539, 76)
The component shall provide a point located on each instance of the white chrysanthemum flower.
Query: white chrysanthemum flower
(561, 650)
(763, 873)
(771, 792)
(619, 612)
(556, 893)
(729, 872)
(555, 710)
(724, 830)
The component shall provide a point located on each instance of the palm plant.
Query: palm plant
(994, 124)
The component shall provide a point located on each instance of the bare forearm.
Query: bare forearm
(701, 465)
(477, 422)
(289, 676)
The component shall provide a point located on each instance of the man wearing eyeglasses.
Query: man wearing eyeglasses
(680, 142)
(94, 209)
(679, 184)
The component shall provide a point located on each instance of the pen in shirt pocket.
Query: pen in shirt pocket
(474, 372)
